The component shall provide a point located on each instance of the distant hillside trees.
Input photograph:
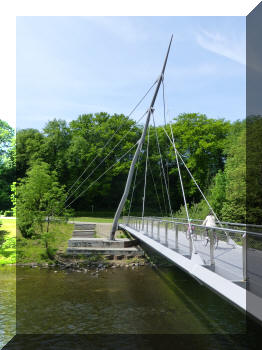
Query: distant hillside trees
(7, 163)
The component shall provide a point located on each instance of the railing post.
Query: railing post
(158, 231)
(139, 224)
(176, 243)
(147, 226)
(166, 233)
(212, 248)
(244, 256)
(190, 243)
(152, 228)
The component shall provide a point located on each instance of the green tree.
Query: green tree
(254, 169)
(201, 142)
(234, 207)
(13, 198)
(29, 143)
(39, 198)
(7, 163)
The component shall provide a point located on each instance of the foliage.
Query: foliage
(227, 192)
(39, 197)
(13, 198)
(8, 242)
(234, 207)
(79, 147)
(34, 250)
(7, 163)
(254, 169)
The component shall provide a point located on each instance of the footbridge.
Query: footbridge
(214, 256)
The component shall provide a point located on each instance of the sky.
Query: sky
(67, 66)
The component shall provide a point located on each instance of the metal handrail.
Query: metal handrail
(222, 222)
(185, 223)
(197, 225)
(135, 221)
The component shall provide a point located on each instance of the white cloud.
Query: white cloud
(232, 47)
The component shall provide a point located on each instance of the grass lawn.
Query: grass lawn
(34, 250)
(92, 219)
(7, 242)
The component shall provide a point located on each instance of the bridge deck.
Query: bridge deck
(228, 258)
(226, 275)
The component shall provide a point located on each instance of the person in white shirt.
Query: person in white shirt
(210, 220)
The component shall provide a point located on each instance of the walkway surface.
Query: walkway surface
(221, 269)
(228, 258)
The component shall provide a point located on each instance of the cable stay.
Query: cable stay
(159, 203)
(144, 196)
(162, 167)
(182, 187)
(110, 139)
(118, 143)
(229, 240)
(92, 183)
(132, 195)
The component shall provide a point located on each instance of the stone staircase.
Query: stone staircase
(84, 242)
(84, 230)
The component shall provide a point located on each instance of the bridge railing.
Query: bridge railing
(168, 232)
(225, 224)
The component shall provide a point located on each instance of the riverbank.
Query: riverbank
(50, 252)
(7, 241)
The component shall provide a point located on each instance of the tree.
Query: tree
(7, 163)
(254, 169)
(39, 197)
(29, 144)
(200, 141)
(234, 207)
(13, 198)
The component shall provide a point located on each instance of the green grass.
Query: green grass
(34, 250)
(7, 242)
(92, 219)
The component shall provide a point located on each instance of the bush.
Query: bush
(49, 253)
(8, 213)
(10, 242)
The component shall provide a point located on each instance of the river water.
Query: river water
(117, 301)
(7, 303)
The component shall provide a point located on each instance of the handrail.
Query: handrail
(222, 222)
(184, 223)
(154, 232)
(197, 225)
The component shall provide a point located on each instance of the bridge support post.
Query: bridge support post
(158, 231)
(152, 228)
(212, 248)
(176, 228)
(166, 233)
(190, 243)
(244, 256)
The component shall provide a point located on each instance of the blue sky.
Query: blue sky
(67, 66)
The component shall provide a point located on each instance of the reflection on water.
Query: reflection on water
(7, 303)
(120, 301)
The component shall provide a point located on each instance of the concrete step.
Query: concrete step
(85, 226)
(83, 233)
(131, 251)
(101, 242)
